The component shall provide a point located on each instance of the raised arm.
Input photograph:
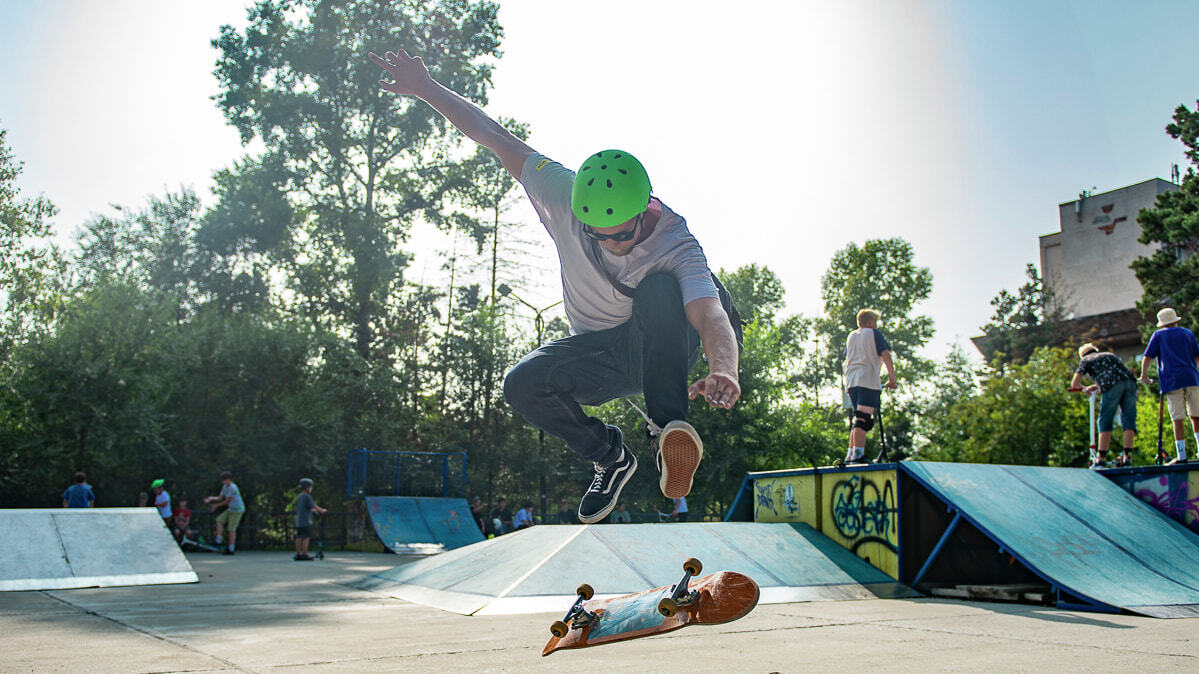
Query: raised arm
(721, 387)
(410, 77)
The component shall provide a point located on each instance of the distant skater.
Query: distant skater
(235, 507)
(162, 501)
(1118, 389)
(306, 507)
(1177, 354)
(79, 494)
(866, 352)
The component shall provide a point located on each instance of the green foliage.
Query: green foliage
(881, 274)
(1023, 321)
(1023, 415)
(1170, 276)
(28, 262)
(350, 166)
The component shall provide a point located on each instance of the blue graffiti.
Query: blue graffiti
(863, 514)
(765, 496)
(789, 499)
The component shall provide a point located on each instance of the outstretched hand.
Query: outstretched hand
(408, 73)
(719, 390)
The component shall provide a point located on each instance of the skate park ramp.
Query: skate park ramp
(413, 525)
(537, 569)
(62, 548)
(1099, 547)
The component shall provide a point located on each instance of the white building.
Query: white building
(1085, 265)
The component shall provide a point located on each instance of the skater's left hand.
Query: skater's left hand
(720, 390)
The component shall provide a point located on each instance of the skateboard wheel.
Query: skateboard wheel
(692, 566)
(585, 591)
(559, 629)
(668, 607)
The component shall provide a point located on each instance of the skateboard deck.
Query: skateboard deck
(716, 598)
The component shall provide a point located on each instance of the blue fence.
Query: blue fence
(396, 473)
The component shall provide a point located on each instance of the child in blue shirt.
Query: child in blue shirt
(1177, 354)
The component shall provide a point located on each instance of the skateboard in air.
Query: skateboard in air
(716, 598)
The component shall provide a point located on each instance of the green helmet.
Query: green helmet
(610, 189)
(157, 483)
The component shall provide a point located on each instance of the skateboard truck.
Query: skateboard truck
(577, 617)
(679, 596)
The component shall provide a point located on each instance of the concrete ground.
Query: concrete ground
(259, 611)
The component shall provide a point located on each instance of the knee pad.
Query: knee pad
(863, 420)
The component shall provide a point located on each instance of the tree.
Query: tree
(881, 275)
(357, 167)
(151, 249)
(1023, 321)
(27, 263)
(1171, 275)
(1022, 415)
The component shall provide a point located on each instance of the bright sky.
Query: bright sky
(781, 130)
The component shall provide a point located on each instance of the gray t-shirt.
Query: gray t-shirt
(304, 506)
(591, 303)
(236, 505)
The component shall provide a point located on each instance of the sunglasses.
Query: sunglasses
(619, 236)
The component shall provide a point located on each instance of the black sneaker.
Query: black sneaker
(605, 488)
(226, 551)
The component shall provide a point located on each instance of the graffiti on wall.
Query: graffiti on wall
(771, 495)
(863, 511)
(1170, 493)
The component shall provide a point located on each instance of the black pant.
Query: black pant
(651, 354)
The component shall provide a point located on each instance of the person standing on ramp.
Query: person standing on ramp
(638, 294)
(1177, 353)
(1118, 390)
(865, 350)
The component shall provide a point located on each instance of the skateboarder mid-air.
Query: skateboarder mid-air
(638, 294)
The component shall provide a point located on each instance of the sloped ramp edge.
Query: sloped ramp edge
(537, 569)
(1099, 547)
(70, 548)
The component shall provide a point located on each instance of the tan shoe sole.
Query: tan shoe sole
(681, 451)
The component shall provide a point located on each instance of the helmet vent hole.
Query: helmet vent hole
(603, 167)
(618, 156)
(609, 183)
(609, 211)
(589, 182)
(623, 172)
(586, 168)
(586, 210)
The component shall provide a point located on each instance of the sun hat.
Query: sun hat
(1166, 317)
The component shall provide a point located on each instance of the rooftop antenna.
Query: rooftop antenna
(1078, 204)
(1174, 177)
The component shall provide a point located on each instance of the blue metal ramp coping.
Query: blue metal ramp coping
(537, 569)
(1099, 547)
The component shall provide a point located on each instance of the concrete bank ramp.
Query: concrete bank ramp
(412, 525)
(1098, 546)
(62, 548)
(537, 569)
